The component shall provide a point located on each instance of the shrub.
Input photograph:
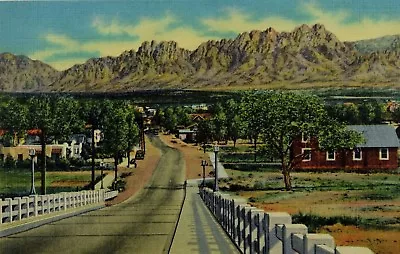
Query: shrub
(9, 162)
(27, 163)
(119, 185)
(315, 222)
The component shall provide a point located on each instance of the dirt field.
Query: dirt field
(374, 198)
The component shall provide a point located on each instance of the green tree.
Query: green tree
(93, 113)
(54, 117)
(234, 122)
(133, 132)
(116, 131)
(366, 113)
(288, 116)
(205, 133)
(182, 115)
(14, 119)
(251, 112)
(171, 119)
(219, 122)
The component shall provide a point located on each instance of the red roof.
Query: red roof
(34, 132)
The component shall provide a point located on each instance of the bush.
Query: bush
(315, 222)
(119, 185)
(27, 163)
(259, 167)
(9, 162)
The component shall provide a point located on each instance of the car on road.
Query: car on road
(139, 155)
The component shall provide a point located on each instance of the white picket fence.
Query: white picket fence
(256, 231)
(21, 208)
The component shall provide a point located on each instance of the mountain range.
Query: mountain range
(307, 56)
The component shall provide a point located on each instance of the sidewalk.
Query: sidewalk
(198, 231)
(109, 178)
(221, 170)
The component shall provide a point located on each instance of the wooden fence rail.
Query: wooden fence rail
(256, 231)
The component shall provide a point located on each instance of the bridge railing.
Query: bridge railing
(21, 208)
(256, 231)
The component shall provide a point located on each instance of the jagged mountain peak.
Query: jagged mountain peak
(307, 54)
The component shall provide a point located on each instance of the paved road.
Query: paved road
(144, 224)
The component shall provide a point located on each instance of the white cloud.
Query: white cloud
(365, 28)
(66, 63)
(148, 29)
(237, 21)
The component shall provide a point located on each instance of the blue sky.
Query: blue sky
(63, 33)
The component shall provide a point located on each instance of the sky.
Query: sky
(64, 33)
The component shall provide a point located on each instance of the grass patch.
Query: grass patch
(316, 222)
(242, 157)
(17, 182)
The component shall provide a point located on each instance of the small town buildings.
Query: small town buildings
(21, 152)
(186, 135)
(76, 147)
(379, 151)
(196, 118)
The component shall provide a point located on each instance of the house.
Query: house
(379, 151)
(186, 135)
(21, 152)
(76, 147)
(200, 117)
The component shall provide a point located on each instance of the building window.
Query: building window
(305, 138)
(20, 157)
(330, 155)
(306, 154)
(384, 154)
(357, 154)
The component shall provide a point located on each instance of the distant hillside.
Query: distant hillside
(19, 73)
(382, 44)
(303, 57)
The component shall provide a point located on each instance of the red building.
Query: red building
(379, 151)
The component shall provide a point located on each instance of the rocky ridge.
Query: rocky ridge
(307, 55)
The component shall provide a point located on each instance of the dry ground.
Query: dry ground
(192, 154)
(328, 203)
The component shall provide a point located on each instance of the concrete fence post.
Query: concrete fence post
(49, 201)
(285, 232)
(352, 250)
(65, 201)
(298, 243)
(324, 249)
(274, 245)
(84, 198)
(233, 219)
(58, 202)
(25, 207)
(249, 228)
(40, 205)
(19, 208)
(35, 205)
(69, 195)
(1, 211)
(257, 230)
(312, 240)
(240, 212)
(9, 210)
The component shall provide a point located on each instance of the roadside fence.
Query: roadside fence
(255, 231)
(21, 208)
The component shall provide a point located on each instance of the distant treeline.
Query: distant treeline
(148, 97)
